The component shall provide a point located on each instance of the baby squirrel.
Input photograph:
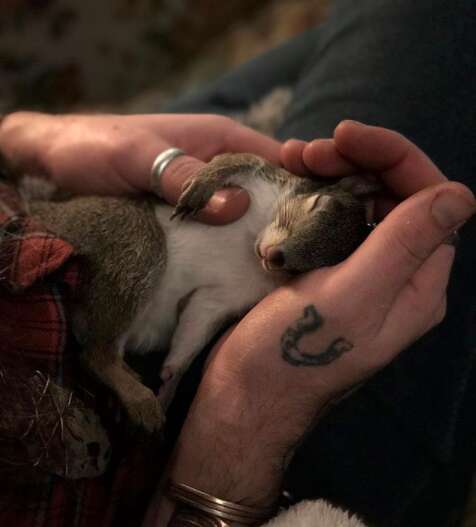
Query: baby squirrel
(160, 284)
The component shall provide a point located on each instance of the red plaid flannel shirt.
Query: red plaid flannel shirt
(38, 274)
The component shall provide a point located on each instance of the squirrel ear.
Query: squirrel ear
(317, 200)
(360, 186)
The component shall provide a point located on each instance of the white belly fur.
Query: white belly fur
(217, 264)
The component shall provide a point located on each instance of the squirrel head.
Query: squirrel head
(317, 229)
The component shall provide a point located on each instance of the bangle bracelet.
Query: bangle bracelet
(198, 506)
(186, 517)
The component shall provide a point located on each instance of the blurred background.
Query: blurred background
(130, 55)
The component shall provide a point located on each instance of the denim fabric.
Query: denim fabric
(402, 449)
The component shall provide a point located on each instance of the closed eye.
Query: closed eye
(284, 216)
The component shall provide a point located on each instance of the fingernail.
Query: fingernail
(295, 140)
(356, 123)
(451, 208)
(453, 239)
(223, 197)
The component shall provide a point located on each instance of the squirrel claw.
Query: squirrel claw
(175, 214)
(180, 212)
(183, 212)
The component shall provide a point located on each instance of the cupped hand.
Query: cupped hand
(393, 288)
(358, 148)
(313, 339)
(113, 154)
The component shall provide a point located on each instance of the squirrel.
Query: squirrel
(157, 281)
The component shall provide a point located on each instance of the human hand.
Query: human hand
(113, 154)
(322, 333)
(402, 168)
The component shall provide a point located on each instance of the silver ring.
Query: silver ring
(159, 165)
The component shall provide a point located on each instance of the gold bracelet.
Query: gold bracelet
(203, 510)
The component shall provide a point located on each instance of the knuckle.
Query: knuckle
(347, 316)
(227, 121)
(409, 245)
(222, 121)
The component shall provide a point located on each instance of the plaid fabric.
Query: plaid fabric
(38, 276)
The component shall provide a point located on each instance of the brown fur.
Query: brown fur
(124, 253)
(198, 190)
(308, 238)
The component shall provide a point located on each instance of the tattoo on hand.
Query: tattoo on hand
(310, 321)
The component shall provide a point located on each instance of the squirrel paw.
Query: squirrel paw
(170, 378)
(195, 195)
(146, 415)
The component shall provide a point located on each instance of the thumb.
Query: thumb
(406, 238)
(225, 206)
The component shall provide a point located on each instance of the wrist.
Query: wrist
(226, 460)
(236, 446)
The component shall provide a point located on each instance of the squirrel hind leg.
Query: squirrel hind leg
(170, 379)
(142, 407)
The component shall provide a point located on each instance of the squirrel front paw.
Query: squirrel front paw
(222, 171)
(170, 377)
(195, 195)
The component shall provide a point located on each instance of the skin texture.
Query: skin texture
(124, 252)
(399, 275)
(111, 154)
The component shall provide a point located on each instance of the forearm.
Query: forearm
(218, 454)
(238, 438)
(239, 452)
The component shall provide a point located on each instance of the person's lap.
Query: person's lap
(400, 450)
(399, 64)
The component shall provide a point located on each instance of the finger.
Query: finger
(239, 138)
(421, 304)
(225, 206)
(206, 135)
(405, 168)
(291, 157)
(322, 157)
(399, 245)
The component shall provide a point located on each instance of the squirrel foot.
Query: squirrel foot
(147, 415)
(170, 379)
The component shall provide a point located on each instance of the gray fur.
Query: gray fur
(124, 253)
(320, 237)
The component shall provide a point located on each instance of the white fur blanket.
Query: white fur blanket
(314, 514)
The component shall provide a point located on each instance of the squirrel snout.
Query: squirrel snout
(272, 257)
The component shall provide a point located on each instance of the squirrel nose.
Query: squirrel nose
(274, 256)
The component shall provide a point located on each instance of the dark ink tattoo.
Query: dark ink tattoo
(310, 321)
